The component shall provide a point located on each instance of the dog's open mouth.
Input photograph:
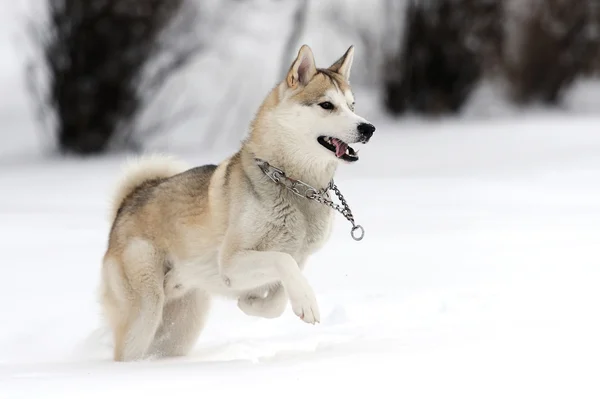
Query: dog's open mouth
(339, 148)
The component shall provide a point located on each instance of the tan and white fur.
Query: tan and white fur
(180, 236)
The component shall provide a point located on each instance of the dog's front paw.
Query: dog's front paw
(269, 307)
(253, 306)
(305, 306)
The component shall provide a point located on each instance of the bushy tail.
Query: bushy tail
(142, 169)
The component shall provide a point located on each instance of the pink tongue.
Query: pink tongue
(340, 147)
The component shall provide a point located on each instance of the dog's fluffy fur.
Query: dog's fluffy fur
(180, 236)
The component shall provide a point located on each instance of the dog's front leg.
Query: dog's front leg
(269, 307)
(246, 270)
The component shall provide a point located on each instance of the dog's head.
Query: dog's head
(315, 107)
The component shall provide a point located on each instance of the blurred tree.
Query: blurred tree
(558, 41)
(592, 35)
(103, 59)
(447, 46)
(298, 25)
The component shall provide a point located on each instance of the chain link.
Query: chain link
(357, 231)
(311, 193)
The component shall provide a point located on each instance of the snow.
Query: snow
(477, 277)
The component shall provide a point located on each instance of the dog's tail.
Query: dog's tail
(139, 170)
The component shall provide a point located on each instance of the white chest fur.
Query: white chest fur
(318, 228)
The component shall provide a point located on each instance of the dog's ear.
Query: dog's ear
(343, 65)
(303, 68)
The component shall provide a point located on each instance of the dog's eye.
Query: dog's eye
(326, 105)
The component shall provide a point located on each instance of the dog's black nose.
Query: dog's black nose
(366, 130)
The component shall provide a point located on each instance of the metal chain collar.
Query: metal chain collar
(304, 190)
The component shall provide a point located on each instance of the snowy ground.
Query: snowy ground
(478, 278)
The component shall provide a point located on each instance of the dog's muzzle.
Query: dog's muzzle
(365, 130)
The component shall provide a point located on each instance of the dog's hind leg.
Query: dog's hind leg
(183, 320)
(141, 305)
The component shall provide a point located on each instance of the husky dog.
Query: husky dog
(180, 236)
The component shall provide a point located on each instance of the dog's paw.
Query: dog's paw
(305, 306)
(269, 307)
(253, 306)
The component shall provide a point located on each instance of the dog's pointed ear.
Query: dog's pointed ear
(344, 64)
(303, 68)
